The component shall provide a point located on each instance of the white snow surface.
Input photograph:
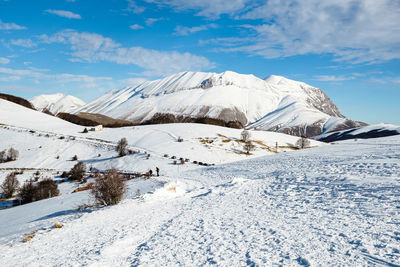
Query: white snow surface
(57, 103)
(276, 101)
(334, 204)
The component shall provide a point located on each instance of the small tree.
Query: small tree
(3, 156)
(9, 185)
(245, 135)
(26, 192)
(109, 187)
(45, 189)
(121, 147)
(303, 142)
(75, 157)
(85, 130)
(78, 171)
(12, 154)
(248, 146)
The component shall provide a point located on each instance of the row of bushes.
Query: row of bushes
(29, 191)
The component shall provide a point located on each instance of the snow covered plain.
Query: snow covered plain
(336, 204)
(332, 205)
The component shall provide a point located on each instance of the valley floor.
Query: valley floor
(331, 205)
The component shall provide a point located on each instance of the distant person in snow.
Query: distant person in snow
(151, 172)
(158, 171)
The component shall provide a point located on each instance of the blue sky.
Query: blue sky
(349, 49)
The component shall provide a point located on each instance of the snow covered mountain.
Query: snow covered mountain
(226, 99)
(57, 103)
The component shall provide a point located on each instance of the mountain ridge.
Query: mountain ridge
(226, 99)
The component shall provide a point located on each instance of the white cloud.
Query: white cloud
(40, 75)
(208, 8)
(64, 14)
(183, 31)
(10, 26)
(134, 8)
(10, 78)
(23, 42)
(136, 27)
(333, 78)
(4, 60)
(359, 31)
(151, 21)
(93, 47)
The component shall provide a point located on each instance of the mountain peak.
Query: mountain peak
(56, 103)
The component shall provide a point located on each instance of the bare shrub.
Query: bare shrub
(180, 139)
(85, 130)
(121, 147)
(46, 188)
(109, 187)
(3, 156)
(248, 146)
(78, 171)
(74, 158)
(303, 142)
(245, 135)
(26, 192)
(9, 185)
(12, 154)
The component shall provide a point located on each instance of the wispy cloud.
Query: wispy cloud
(10, 26)
(136, 27)
(183, 30)
(134, 7)
(42, 75)
(151, 21)
(4, 60)
(211, 9)
(27, 43)
(64, 14)
(92, 47)
(333, 78)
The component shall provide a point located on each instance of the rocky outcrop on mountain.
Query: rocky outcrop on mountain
(227, 99)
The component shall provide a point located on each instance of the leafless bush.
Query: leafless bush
(245, 135)
(121, 147)
(45, 189)
(180, 139)
(75, 157)
(12, 154)
(303, 142)
(78, 171)
(9, 185)
(109, 187)
(26, 192)
(248, 146)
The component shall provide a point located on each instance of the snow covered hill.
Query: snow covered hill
(226, 99)
(57, 103)
(332, 205)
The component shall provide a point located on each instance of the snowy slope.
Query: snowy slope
(227, 99)
(57, 103)
(332, 205)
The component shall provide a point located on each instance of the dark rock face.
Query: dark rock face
(319, 100)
